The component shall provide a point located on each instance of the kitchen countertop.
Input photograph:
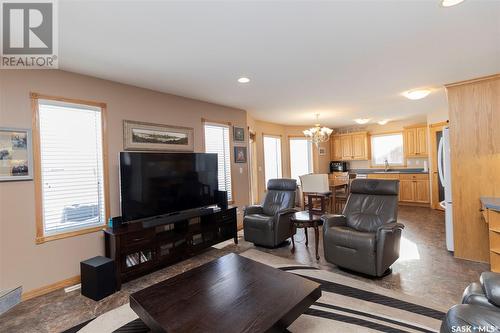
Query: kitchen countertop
(491, 203)
(395, 171)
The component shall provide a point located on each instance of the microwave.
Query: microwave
(339, 166)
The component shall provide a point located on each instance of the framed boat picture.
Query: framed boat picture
(147, 136)
(16, 161)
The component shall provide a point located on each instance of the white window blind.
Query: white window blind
(387, 147)
(272, 157)
(71, 166)
(217, 141)
(301, 161)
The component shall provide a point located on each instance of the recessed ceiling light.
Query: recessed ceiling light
(417, 93)
(449, 3)
(243, 80)
(362, 121)
(383, 122)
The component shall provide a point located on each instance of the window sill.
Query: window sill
(44, 239)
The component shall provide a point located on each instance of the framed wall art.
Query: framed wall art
(322, 151)
(240, 154)
(238, 134)
(147, 136)
(16, 161)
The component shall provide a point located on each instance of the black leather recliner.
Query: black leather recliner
(480, 308)
(269, 224)
(366, 237)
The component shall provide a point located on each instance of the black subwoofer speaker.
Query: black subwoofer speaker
(221, 199)
(98, 277)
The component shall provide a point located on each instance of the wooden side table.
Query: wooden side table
(306, 219)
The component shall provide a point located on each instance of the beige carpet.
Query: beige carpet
(346, 305)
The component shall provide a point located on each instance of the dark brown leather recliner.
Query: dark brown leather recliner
(366, 237)
(269, 224)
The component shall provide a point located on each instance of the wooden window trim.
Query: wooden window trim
(40, 237)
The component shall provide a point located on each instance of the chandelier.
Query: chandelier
(317, 133)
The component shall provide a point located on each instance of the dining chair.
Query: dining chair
(316, 193)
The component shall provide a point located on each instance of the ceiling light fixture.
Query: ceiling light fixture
(449, 3)
(383, 122)
(317, 133)
(362, 121)
(243, 80)
(417, 93)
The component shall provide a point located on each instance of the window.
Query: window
(71, 178)
(217, 141)
(272, 157)
(387, 147)
(300, 157)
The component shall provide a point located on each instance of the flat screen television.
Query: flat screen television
(154, 184)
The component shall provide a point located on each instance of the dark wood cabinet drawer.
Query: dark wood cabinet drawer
(134, 239)
(226, 215)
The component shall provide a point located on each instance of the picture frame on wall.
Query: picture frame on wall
(16, 159)
(240, 154)
(238, 134)
(147, 136)
(322, 151)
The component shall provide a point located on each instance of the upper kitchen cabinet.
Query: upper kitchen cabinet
(335, 148)
(415, 141)
(351, 146)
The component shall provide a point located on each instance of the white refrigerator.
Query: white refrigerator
(444, 170)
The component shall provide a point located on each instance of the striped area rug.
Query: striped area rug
(346, 305)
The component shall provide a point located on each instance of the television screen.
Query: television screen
(161, 183)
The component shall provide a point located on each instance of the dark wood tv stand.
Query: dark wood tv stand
(137, 250)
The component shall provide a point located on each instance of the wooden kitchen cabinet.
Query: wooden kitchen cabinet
(335, 148)
(415, 141)
(422, 191)
(352, 146)
(346, 147)
(359, 146)
(406, 190)
(414, 188)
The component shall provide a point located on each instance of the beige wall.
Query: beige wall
(261, 128)
(22, 262)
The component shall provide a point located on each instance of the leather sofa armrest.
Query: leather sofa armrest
(474, 294)
(490, 282)
(333, 220)
(254, 209)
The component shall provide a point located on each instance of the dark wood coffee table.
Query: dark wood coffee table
(229, 294)
(306, 219)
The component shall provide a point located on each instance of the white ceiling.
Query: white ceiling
(343, 59)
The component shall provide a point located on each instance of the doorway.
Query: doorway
(437, 189)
